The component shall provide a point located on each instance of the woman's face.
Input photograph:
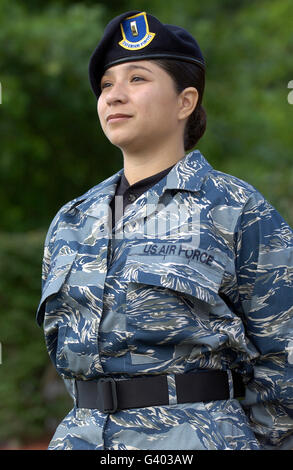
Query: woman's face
(138, 106)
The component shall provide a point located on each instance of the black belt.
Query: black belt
(109, 395)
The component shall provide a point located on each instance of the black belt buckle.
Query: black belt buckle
(103, 383)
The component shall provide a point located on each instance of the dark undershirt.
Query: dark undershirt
(131, 192)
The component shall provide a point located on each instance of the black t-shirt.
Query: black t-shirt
(131, 192)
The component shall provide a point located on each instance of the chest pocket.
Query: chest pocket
(184, 269)
(168, 299)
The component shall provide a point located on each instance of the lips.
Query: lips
(117, 117)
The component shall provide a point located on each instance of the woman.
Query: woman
(173, 328)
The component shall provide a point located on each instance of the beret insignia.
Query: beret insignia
(135, 32)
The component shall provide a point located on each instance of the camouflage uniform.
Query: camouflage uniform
(210, 288)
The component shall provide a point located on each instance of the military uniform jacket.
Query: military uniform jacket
(196, 275)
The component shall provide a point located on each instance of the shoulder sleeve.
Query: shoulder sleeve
(49, 246)
(264, 267)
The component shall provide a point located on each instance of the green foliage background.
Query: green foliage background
(53, 150)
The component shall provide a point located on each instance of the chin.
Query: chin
(123, 142)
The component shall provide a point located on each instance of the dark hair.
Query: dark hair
(184, 75)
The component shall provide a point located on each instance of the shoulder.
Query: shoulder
(255, 215)
(233, 205)
(233, 189)
(215, 185)
(67, 212)
(227, 197)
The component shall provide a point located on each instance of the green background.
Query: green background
(52, 149)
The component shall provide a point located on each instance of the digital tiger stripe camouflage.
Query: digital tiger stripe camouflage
(197, 274)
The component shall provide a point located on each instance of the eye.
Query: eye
(105, 85)
(136, 78)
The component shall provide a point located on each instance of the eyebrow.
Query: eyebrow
(129, 67)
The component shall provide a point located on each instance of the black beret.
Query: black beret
(137, 35)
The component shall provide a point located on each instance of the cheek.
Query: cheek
(163, 110)
(168, 102)
(163, 100)
(150, 107)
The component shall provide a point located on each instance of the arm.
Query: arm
(264, 267)
(49, 253)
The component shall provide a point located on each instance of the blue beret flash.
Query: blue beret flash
(139, 36)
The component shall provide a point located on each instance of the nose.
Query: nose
(116, 94)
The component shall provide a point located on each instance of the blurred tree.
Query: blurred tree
(249, 127)
(53, 150)
(33, 399)
(52, 146)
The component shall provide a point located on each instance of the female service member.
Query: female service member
(167, 299)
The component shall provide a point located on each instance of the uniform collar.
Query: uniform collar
(142, 185)
(188, 174)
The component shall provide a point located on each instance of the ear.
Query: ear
(188, 99)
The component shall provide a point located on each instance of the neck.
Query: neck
(148, 162)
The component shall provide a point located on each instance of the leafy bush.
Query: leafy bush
(33, 399)
(52, 148)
